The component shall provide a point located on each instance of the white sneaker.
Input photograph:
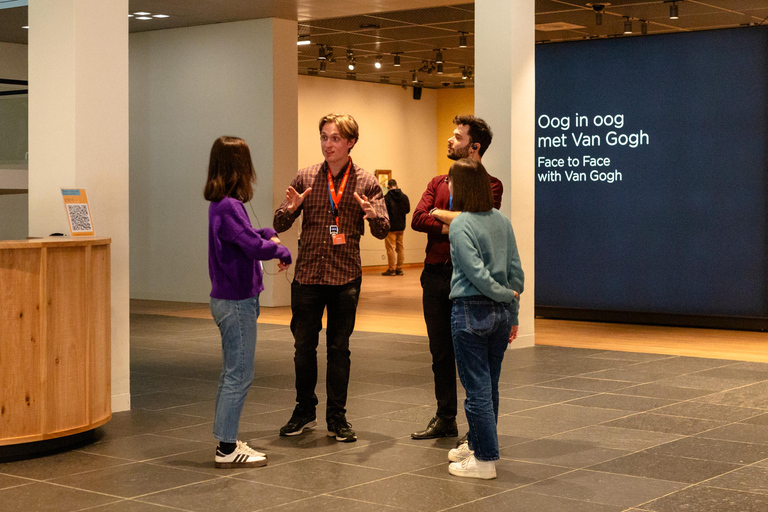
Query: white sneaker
(460, 453)
(243, 457)
(473, 468)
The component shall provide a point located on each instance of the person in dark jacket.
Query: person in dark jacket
(397, 207)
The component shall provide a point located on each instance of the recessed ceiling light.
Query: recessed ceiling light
(142, 13)
(130, 15)
(160, 16)
(143, 17)
(25, 26)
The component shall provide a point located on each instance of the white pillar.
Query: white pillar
(504, 96)
(78, 137)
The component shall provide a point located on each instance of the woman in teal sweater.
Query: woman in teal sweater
(485, 288)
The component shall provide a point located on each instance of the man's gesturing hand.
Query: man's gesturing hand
(295, 199)
(366, 205)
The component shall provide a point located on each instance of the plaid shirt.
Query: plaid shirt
(319, 261)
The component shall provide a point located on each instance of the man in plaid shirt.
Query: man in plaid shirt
(335, 197)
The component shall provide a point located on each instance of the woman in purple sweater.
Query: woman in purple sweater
(235, 249)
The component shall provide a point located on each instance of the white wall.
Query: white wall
(188, 86)
(13, 208)
(396, 133)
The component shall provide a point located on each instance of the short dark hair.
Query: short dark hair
(347, 126)
(471, 186)
(479, 131)
(392, 183)
(230, 170)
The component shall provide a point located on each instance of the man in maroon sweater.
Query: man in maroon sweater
(433, 216)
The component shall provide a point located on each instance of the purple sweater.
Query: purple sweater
(234, 251)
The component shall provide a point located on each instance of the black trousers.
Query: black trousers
(436, 286)
(307, 305)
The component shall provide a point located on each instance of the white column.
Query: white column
(285, 147)
(504, 96)
(78, 137)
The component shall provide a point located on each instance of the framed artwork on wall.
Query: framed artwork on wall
(383, 176)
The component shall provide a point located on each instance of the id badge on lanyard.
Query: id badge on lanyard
(336, 237)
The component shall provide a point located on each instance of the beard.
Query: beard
(458, 154)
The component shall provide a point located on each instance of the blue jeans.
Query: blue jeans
(307, 305)
(480, 328)
(237, 322)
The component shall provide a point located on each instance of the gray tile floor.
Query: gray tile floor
(580, 431)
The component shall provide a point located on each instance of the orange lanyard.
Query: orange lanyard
(336, 198)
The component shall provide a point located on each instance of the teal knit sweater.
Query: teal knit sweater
(485, 258)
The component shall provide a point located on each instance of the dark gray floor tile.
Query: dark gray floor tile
(754, 395)
(587, 384)
(63, 463)
(741, 432)
(143, 447)
(404, 457)
(631, 374)
(132, 480)
(622, 402)
(131, 423)
(682, 365)
(131, 506)
(706, 411)
(748, 479)
(365, 407)
(524, 501)
(226, 495)
(708, 499)
(570, 454)
(663, 467)
(605, 488)
(617, 438)
(543, 394)
(318, 476)
(713, 449)
(50, 498)
(562, 417)
(521, 377)
(334, 503)
(669, 424)
(7, 481)
(414, 492)
(394, 378)
(701, 380)
(664, 391)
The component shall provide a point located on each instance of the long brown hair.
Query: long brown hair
(471, 186)
(230, 170)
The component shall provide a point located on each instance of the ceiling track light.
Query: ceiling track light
(323, 65)
(644, 27)
(464, 73)
(321, 52)
(598, 8)
(463, 40)
(350, 60)
(414, 78)
(397, 59)
(377, 64)
(627, 25)
(438, 56)
(303, 40)
(598, 18)
(439, 68)
(673, 15)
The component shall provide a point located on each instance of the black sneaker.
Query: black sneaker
(298, 423)
(342, 431)
(398, 272)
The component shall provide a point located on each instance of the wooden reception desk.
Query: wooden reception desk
(54, 337)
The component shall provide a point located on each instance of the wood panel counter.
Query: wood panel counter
(55, 367)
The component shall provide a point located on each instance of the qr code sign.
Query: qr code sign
(79, 218)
